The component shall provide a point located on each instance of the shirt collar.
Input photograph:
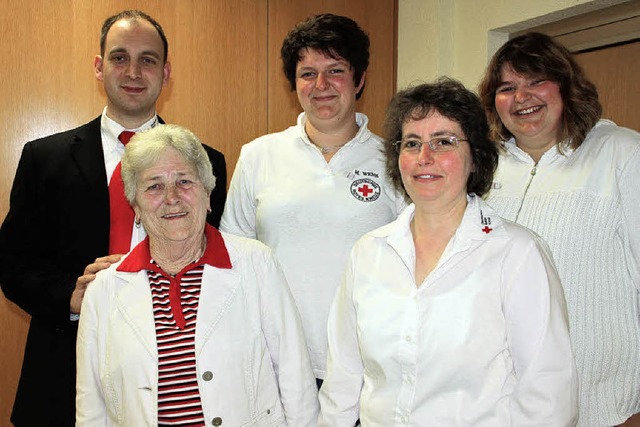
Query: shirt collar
(549, 156)
(215, 254)
(114, 128)
(479, 222)
(362, 135)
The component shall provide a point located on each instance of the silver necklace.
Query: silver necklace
(329, 149)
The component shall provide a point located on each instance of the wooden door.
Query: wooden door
(614, 70)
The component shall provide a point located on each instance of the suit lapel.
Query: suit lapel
(86, 152)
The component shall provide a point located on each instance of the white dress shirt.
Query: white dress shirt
(113, 150)
(483, 341)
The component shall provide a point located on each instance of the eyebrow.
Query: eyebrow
(161, 176)
(433, 135)
(144, 52)
(329, 65)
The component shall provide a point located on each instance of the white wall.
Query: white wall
(458, 37)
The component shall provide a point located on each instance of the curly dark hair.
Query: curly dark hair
(538, 55)
(337, 37)
(132, 15)
(451, 99)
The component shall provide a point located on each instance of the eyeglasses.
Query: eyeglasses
(437, 144)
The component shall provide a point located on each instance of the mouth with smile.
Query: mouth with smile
(426, 177)
(172, 216)
(530, 110)
(133, 89)
(323, 98)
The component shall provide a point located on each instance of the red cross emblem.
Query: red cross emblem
(365, 190)
(487, 229)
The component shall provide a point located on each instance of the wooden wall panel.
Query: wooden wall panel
(217, 89)
(226, 85)
(378, 18)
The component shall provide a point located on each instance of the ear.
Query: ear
(97, 66)
(361, 83)
(167, 73)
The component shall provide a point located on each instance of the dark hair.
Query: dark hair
(538, 55)
(335, 36)
(452, 100)
(133, 15)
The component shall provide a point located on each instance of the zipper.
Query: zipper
(532, 174)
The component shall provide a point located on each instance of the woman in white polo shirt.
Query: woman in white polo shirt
(310, 191)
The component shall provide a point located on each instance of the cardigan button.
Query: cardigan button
(208, 376)
(217, 421)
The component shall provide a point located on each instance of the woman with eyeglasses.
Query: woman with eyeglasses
(449, 315)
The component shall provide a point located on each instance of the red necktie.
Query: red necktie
(121, 212)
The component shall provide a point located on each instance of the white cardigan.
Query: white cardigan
(586, 206)
(252, 362)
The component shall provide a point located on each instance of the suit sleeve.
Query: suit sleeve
(219, 193)
(29, 276)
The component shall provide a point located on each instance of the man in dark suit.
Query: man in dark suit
(56, 235)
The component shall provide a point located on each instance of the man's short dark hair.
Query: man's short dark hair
(132, 14)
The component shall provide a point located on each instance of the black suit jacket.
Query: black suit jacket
(58, 223)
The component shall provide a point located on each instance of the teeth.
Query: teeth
(174, 215)
(528, 110)
(426, 176)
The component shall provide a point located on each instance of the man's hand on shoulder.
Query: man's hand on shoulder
(87, 277)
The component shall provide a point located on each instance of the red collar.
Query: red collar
(215, 254)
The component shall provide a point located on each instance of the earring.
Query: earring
(137, 222)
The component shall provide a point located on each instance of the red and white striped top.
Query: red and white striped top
(175, 307)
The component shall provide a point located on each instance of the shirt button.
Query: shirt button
(408, 338)
(217, 421)
(208, 376)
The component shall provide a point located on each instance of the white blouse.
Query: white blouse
(482, 342)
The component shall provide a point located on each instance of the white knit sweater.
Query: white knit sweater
(586, 205)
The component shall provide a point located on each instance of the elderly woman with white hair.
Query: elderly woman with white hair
(192, 327)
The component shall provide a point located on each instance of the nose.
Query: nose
(321, 82)
(133, 70)
(521, 94)
(425, 155)
(171, 195)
